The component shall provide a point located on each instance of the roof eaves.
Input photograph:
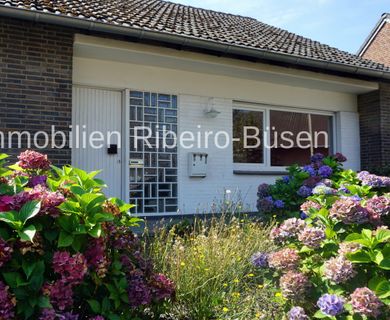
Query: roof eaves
(190, 41)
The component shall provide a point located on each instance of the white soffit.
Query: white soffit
(140, 54)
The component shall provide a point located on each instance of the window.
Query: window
(289, 137)
(252, 122)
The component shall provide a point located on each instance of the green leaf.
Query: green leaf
(95, 306)
(382, 235)
(28, 268)
(65, 239)
(44, 302)
(28, 211)
(28, 233)
(383, 289)
(96, 231)
(320, 315)
(12, 278)
(359, 257)
(385, 264)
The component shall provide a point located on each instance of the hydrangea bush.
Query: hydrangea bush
(66, 251)
(334, 260)
(288, 193)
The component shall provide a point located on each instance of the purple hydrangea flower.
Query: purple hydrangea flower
(331, 304)
(317, 157)
(263, 190)
(310, 170)
(37, 180)
(260, 259)
(340, 157)
(304, 191)
(286, 179)
(7, 303)
(297, 313)
(325, 171)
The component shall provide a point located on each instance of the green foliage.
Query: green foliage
(58, 231)
(349, 215)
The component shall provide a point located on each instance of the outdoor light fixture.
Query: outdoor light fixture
(210, 111)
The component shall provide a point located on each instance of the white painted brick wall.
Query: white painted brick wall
(198, 194)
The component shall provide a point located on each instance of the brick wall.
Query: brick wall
(379, 49)
(374, 110)
(35, 81)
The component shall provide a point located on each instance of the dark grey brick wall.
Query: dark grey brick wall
(35, 81)
(374, 110)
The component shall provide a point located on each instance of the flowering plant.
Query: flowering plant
(335, 260)
(288, 193)
(66, 251)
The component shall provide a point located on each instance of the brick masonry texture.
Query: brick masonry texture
(374, 110)
(379, 49)
(35, 81)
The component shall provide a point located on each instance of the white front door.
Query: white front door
(96, 120)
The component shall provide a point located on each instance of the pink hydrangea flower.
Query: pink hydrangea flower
(70, 268)
(312, 237)
(365, 302)
(294, 285)
(339, 270)
(284, 259)
(32, 160)
(7, 303)
(307, 205)
(377, 208)
(162, 287)
(60, 293)
(96, 257)
(348, 211)
(348, 247)
(6, 203)
(5, 252)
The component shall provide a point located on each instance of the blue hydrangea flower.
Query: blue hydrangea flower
(279, 204)
(304, 191)
(310, 170)
(325, 171)
(260, 260)
(286, 179)
(331, 304)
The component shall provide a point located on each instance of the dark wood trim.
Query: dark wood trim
(260, 173)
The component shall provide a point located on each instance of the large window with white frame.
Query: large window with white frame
(267, 137)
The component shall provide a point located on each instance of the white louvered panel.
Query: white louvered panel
(99, 111)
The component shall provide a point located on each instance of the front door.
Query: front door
(96, 139)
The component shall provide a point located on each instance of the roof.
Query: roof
(171, 19)
(384, 19)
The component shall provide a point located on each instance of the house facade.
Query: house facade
(376, 47)
(79, 69)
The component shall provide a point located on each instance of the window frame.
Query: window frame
(266, 109)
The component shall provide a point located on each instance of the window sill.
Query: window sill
(259, 173)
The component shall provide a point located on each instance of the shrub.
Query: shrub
(334, 263)
(212, 268)
(66, 251)
(288, 193)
